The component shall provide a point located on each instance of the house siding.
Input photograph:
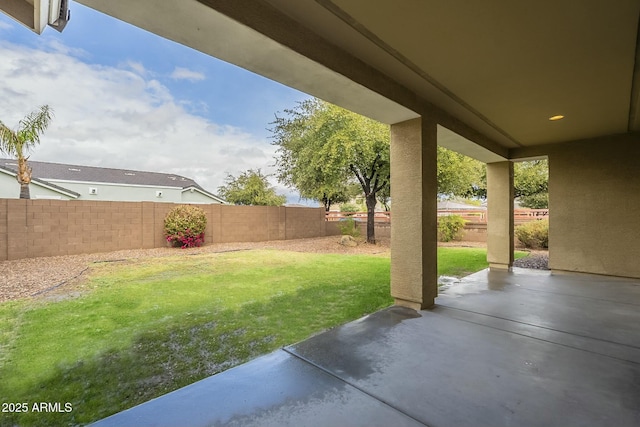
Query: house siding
(10, 189)
(196, 197)
(121, 193)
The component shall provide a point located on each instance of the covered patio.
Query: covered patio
(497, 349)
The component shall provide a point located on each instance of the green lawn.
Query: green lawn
(143, 328)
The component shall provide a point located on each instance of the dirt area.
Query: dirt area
(38, 276)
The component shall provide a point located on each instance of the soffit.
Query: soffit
(502, 67)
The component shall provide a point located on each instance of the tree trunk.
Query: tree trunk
(371, 212)
(24, 177)
(327, 203)
(24, 191)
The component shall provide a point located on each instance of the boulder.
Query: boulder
(348, 241)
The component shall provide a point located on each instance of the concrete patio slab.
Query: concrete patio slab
(518, 348)
(274, 390)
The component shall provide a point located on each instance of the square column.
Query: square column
(500, 215)
(414, 276)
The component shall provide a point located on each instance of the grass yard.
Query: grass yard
(136, 330)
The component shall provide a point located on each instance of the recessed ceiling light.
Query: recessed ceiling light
(556, 118)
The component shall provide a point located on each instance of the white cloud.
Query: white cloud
(119, 117)
(180, 73)
(135, 66)
(5, 26)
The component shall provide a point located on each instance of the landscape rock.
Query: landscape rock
(348, 241)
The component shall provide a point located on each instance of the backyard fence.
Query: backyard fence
(34, 228)
(472, 216)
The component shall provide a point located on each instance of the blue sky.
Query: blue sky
(126, 98)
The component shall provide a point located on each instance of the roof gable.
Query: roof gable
(42, 183)
(202, 191)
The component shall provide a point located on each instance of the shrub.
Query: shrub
(349, 226)
(450, 227)
(184, 226)
(534, 234)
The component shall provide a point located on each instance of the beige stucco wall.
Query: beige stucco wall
(500, 215)
(414, 278)
(595, 203)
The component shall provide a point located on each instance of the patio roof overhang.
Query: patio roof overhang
(493, 73)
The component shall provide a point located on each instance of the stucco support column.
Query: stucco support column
(500, 214)
(414, 281)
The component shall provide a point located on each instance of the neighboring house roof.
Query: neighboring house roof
(44, 171)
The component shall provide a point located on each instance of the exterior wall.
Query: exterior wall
(33, 228)
(196, 197)
(10, 189)
(594, 193)
(121, 193)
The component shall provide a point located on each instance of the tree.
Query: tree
(250, 188)
(298, 164)
(322, 148)
(531, 183)
(462, 176)
(459, 175)
(17, 143)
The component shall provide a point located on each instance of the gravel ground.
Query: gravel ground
(36, 276)
(538, 260)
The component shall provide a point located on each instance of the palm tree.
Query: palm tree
(17, 143)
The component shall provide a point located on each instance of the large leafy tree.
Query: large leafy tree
(462, 176)
(19, 141)
(323, 148)
(459, 175)
(250, 188)
(531, 183)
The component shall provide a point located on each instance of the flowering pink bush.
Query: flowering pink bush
(186, 240)
(184, 226)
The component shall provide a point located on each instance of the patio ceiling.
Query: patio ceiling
(503, 66)
(492, 71)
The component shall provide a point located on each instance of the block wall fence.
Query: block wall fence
(36, 228)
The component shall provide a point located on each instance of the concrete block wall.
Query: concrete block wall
(304, 222)
(34, 228)
(3, 230)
